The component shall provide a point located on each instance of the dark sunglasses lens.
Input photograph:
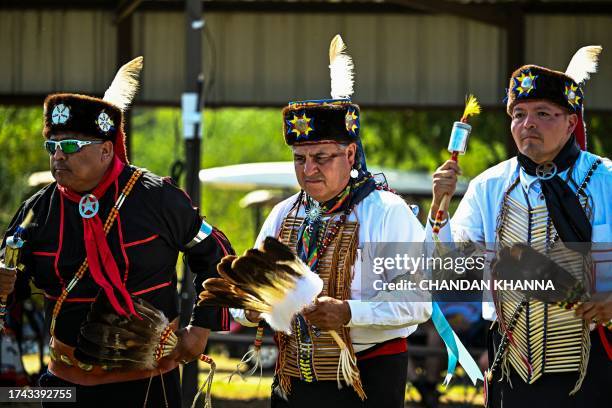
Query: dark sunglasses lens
(50, 146)
(69, 146)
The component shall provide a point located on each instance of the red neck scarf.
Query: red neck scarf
(102, 265)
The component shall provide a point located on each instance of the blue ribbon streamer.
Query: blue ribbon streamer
(454, 347)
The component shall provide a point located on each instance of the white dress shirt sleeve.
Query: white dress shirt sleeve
(396, 224)
(467, 222)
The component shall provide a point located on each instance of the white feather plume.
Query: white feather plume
(306, 290)
(122, 90)
(583, 63)
(341, 69)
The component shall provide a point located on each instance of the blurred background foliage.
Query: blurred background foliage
(401, 139)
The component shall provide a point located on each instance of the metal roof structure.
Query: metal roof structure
(408, 53)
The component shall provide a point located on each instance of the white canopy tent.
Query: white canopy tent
(281, 176)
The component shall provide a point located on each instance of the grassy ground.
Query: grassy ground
(255, 388)
(254, 392)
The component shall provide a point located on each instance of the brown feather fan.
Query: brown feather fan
(124, 343)
(273, 281)
(270, 280)
(520, 262)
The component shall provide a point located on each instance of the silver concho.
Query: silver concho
(546, 171)
(313, 213)
(60, 114)
(88, 206)
(104, 122)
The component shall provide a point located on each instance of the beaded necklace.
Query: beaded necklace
(314, 213)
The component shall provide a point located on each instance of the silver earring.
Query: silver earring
(354, 173)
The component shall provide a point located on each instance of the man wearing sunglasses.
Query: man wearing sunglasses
(74, 160)
(105, 236)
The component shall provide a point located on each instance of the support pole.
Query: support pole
(192, 102)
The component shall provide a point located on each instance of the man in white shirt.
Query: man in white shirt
(553, 191)
(340, 208)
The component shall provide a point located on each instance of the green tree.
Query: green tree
(22, 150)
(404, 139)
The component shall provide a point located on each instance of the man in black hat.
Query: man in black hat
(107, 233)
(340, 208)
(553, 197)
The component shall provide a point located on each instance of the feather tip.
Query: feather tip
(584, 63)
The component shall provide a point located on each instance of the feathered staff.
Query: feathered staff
(455, 349)
(456, 146)
(12, 257)
(274, 282)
